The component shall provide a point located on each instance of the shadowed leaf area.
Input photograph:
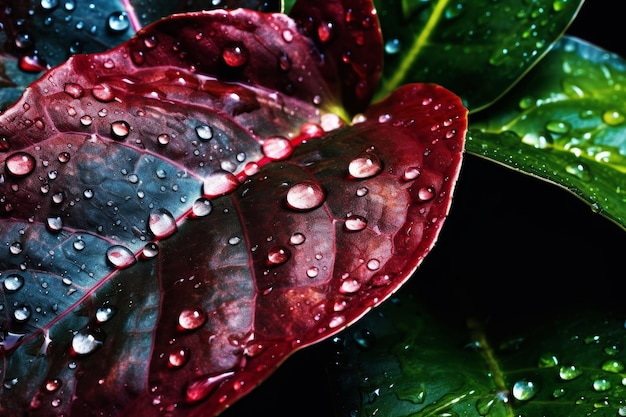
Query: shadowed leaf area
(182, 213)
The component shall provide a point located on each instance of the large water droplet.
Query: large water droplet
(120, 129)
(235, 55)
(349, 286)
(13, 282)
(20, 164)
(21, 313)
(277, 148)
(305, 195)
(118, 22)
(524, 390)
(87, 341)
(355, 223)
(102, 92)
(219, 183)
(54, 224)
(278, 255)
(161, 223)
(601, 384)
(204, 132)
(105, 313)
(178, 358)
(202, 387)
(567, 373)
(120, 256)
(365, 166)
(191, 319)
(297, 239)
(201, 207)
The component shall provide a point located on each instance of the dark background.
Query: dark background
(513, 251)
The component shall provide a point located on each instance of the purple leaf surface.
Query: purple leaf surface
(182, 213)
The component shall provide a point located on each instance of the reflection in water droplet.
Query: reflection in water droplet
(15, 248)
(120, 129)
(13, 282)
(325, 31)
(87, 341)
(120, 256)
(118, 22)
(204, 132)
(524, 390)
(219, 183)
(305, 195)
(191, 319)
(613, 117)
(277, 148)
(54, 224)
(20, 164)
(105, 313)
(235, 55)
(373, 264)
(278, 255)
(161, 223)
(365, 166)
(178, 358)
(601, 385)
(52, 385)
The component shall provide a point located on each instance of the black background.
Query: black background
(514, 250)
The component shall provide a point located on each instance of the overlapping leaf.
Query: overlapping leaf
(177, 221)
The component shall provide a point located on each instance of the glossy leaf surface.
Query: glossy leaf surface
(405, 361)
(47, 32)
(177, 222)
(565, 123)
(478, 49)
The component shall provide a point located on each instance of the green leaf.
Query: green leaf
(476, 48)
(565, 123)
(401, 361)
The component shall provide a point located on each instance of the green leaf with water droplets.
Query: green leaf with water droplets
(476, 48)
(406, 360)
(565, 123)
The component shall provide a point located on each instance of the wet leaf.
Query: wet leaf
(182, 213)
(478, 49)
(44, 33)
(405, 360)
(565, 123)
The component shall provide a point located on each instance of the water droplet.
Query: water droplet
(613, 117)
(74, 90)
(52, 385)
(86, 120)
(88, 193)
(312, 272)
(120, 129)
(219, 183)
(103, 92)
(426, 194)
(20, 164)
(191, 319)
(49, 4)
(203, 386)
(235, 55)
(15, 248)
(567, 373)
(120, 256)
(613, 366)
(161, 223)
(118, 22)
(349, 286)
(201, 207)
(297, 239)
(204, 132)
(558, 127)
(105, 313)
(21, 313)
(64, 157)
(79, 244)
(547, 360)
(411, 173)
(13, 282)
(373, 264)
(277, 148)
(278, 255)
(163, 139)
(87, 341)
(326, 31)
(392, 46)
(601, 385)
(355, 223)
(178, 358)
(365, 166)
(54, 224)
(305, 195)
(524, 390)
(150, 250)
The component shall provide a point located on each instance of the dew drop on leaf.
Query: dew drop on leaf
(312, 272)
(349, 286)
(87, 341)
(201, 207)
(161, 223)
(120, 256)
(118, 22)
(178, 358)
(163, 139)
(191, 319)
(21, 313)
(120, 129)
(52, 385)
(13, 283)
(150, 250)
(20, 164)
(278, 255)
(411, 173)
(426, 194)
(103, 92)
(15, 248)
(235, 55)
(49, 4)
(365, 166)
(86, 120)
(277, 148)
(79, 244)
(297, 239)
(305, 195)
(105, 313)
(524, 390)
(73, 90)
(567, 373)
(373, 264)
(613, 366)
(326, 31)
(200, 388)
(54, 224)
(392, 46)
(64, 157)
(204, 132)
(601, 385)
(219, 183)
(355, 223)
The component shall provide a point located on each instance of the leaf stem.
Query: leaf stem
(478, 333)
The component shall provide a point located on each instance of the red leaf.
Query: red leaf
(177, 222)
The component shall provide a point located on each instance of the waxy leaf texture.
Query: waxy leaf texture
(182, 213)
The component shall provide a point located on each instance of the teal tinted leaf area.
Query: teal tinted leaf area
(402, 361)
(476, 48)
(13, 81)
(565, 123)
